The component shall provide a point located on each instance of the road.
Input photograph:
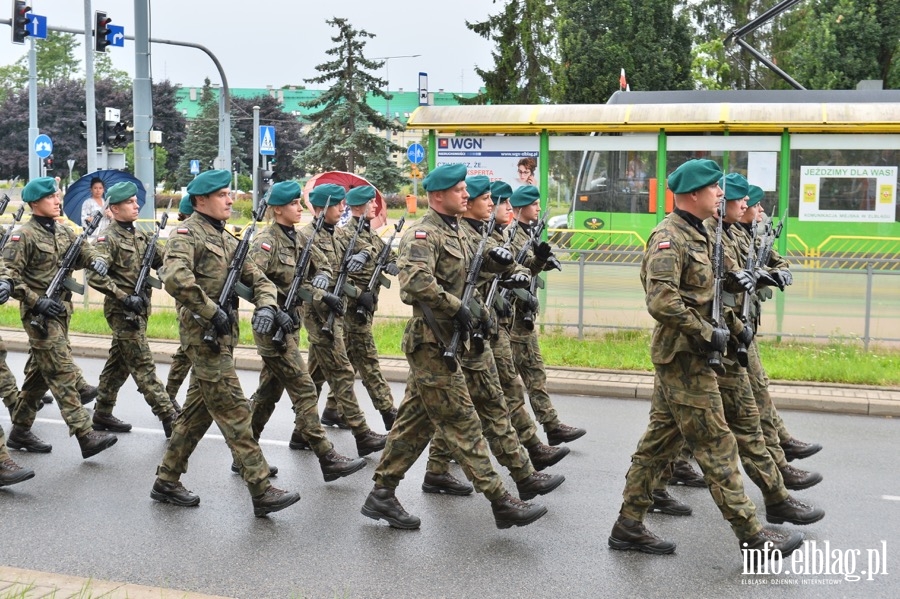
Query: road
(94, 518)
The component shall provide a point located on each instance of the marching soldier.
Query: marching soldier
(197, 258)
(434, 257)
(276, 251)
(33, 257)
(180, 366)
(123, 247)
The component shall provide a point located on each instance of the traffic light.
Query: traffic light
(48, 163)
(20, 21)
(115, 134)
(263, 181)
(101, 31)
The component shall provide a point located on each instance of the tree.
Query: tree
(104, 69)
(56, 59)
(168, 120)
(202, 141)
(288, 134)
(341, 136)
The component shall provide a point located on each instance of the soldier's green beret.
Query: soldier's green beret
(327, 194)
(693, 175)
(184, 206)
(756, 195)
(524, 196)
(360, 195)
(445, 177)
(284, 192)
(39, 188)
(120, 192)
(500, 190)
(209, 181)
(477, 185)
(735, 186)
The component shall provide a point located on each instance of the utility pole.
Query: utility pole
(143, 110)
(34, 161)
(90, 107)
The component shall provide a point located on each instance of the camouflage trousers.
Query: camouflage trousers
(130, 355)
(773, 427)
(530, 366)
(487, 397)
(686, 406)
(178, 371)
(513, 389)
(4, 451)
(363, 355)
(437, 399)
(50, 367)
(286, 370)
(214, 395)
(328, 362)
(9, 390)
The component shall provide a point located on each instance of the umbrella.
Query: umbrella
(80, 190)
(348, 181)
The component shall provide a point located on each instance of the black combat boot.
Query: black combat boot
(370, 442)
(236, 469)
(273, 500)
(538, 484)
(389, 416)
(93, 442)
(793, 511)
(446, 484)
(631, 534)
(382, 504)
(794, 449)
(88, 394)
(512, 511)
(767, 540)
(174, 493)
(298, 441)
(22, 438)
(332, 417)
(47, 398)
(11, 473)
(684, 474)
(564, 433)
(663, 503)
(796, 479)
(543, 456)
(335, 465)
(108, 422)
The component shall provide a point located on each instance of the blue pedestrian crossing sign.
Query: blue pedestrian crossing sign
(195, 167)
(116, 36)
(415, 153)
(267, 140)
(43, 145)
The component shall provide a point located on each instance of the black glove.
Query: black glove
(718, 341)
(463, 318)
(319, 281)
(357, 261)
(100, 267)
(392, 269)
(334, 303)
(220, 321)
(746, 336)
(501, 255)
(49, 307)
(531, 304)
(543, 250)
(764, 279)
(517, 280)
(366, 299)
(742, 280)
(263, 320)
(284, 321)
(552, 263)
(783, 278)
(5, 290)
(504, 310)
(134, 303)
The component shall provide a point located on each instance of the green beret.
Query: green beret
(524, 196)
(360, 195)
(39, 188)
(327, 194)
(500, 190)
(284, 192)
(209, 181)
(735, 186)
(120, 192)
(478, 185)
(693, 175)
(445, 177)
(756, 195)
(184, 206)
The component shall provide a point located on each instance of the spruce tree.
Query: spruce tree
(202, 141)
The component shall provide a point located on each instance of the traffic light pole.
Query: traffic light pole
(34, 161)
(90, 105)
(144, 167)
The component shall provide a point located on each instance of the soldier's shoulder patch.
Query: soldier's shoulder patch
(182, 230)
(663, 245)
(266, 246)
(15, 238)
(421, 234)
(102, 238)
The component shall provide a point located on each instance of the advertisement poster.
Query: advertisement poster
(510, 159)
(857, 194)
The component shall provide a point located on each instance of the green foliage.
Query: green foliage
(104, 69)
(710, 67)
(202, 142)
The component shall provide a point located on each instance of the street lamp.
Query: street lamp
(387, 76)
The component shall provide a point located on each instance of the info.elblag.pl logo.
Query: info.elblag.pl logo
(816, 559)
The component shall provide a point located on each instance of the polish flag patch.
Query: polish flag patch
(421, 234)
(663, 245)
(266, 247)
(183, 231)
(101, 238)
(15, 238)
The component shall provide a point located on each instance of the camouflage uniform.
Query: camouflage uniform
(179, 370)
(32, 256)
(123, 249)
(276, 252)
(195, 266)
(433, 260)
(9, 389)
(677, 276)
(328, 359)
(358, 337)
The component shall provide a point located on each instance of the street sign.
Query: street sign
(195, 167)
(267, 140)
(415, 153)
(116, 35)
(37, 26)
(43, 145)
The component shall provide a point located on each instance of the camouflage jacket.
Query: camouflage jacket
(371, 242)
(123, 251)
(535, 266)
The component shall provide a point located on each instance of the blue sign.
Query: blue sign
(267, 140)
(43, 145)
(116, 35)
(415, 153)
(195, 167)
(37, 26)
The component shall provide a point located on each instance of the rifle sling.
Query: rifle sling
(431, 321)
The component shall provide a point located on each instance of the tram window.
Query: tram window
(615, 182)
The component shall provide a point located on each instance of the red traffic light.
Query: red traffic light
(101, 31)
(20, 21)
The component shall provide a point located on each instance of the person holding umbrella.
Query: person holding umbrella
(93, 205)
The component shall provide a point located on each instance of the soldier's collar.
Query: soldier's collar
(127, 226)
(289, 230)
(329, 228)
(366, 227)
(451, 221)
(217, 224)
(692, 220)
(45, 222)
(476, 224)
(748, 227)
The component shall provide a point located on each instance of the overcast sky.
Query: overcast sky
(279, 42)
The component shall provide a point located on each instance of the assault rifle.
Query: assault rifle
(718, 307)
(768, 241)
(144, 278)
(495, 283)
(9, 230)
(61, 280)
(378, 279)
(341, 280)
(742, 357)
(4, 202)
(231, 290)
(295, 292)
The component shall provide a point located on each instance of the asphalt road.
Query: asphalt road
(94, 518)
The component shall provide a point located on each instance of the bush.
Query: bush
(244, 207)
(162, 201)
